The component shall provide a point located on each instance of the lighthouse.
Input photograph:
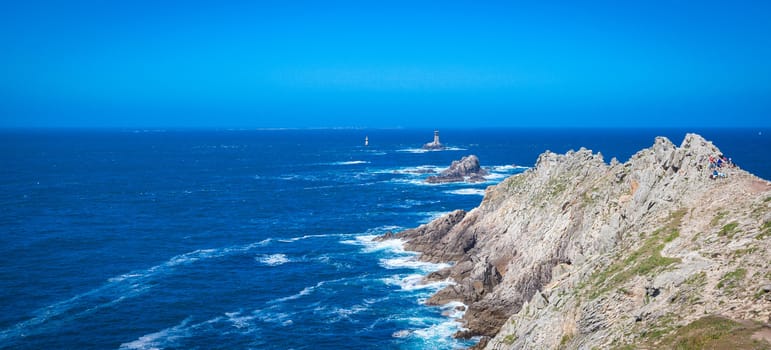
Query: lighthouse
(435, 145)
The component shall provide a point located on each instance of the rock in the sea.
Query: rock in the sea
(467, 169)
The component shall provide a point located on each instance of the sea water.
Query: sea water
(249, 239)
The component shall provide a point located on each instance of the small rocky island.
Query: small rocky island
(465, 170)
(577, 253)
(434, 145)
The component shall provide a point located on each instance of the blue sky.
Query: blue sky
(384, 63)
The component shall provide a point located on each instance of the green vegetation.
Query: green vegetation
(731, 280)
(556, 187)
(698, 280)
(566, 338)
(714, 332)
(765, 231)
(741, 252)
(515, 181)
(728, 230)
(690, 292)
(709, 332)
(717, 218)
(644, 261)
(510, 339)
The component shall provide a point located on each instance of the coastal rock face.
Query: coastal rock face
(576, 253)
(467, 169)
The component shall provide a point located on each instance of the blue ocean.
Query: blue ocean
(250, 239)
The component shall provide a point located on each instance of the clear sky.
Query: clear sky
(384, 63)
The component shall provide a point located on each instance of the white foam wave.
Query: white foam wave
(115, 290)
(383, 229)
(415, 282)
(418, 182)
(350, 162)
(300, 238)
(414, 170)
(439, 335)
(454, 309)
(306, 291)
(160, 339)
(495, 176)
(468, 191)
(281, 318)
(421, 150)
(337, 314)
(404, 333)
(371, 245)
(503, 168)
(411, 262)
(430, 332)
(273, 259)
(240, 321)
(414, 150)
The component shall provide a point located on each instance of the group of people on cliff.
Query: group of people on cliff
(716, 164)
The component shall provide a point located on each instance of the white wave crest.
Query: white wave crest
(273, 259)
(370, 245)
(414, 170)
(436, 333)
(350, 162)
(383, 229)
(467, 191)
(421, 150)
(115, 290)
(306, 291)
(240, 321)
(300, 238)
(411, 262)
(160, 339)
(414, 282)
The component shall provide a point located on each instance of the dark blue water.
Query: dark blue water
(247, 239)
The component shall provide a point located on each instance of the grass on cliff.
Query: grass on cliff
(765, 231)
(644, 261)
(717, 218)
(729, 229)
(709, 332)
(714, 332)
(731, 280)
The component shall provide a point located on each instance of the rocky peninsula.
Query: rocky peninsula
(466, 169)
(577, 253)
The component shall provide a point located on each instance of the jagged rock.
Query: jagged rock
(565, 249)
(467, 169)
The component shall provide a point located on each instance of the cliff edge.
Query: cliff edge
(577, 253)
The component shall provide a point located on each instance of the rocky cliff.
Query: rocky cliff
(578, 253)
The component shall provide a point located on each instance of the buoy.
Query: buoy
(366, 140)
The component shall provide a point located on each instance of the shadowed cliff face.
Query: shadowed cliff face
(572, 251)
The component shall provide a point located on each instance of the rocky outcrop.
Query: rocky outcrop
(467, 169)
(579, 253)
